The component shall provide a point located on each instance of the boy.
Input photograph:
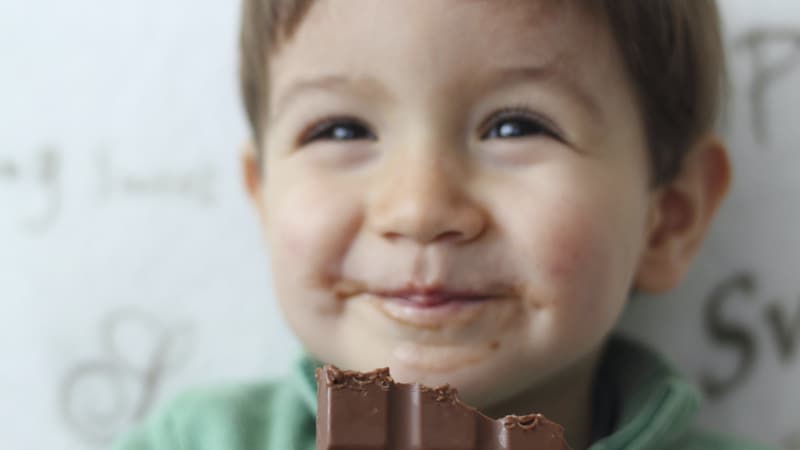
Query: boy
(466, 191)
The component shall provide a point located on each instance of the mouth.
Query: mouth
(432, 298)
(434, 308)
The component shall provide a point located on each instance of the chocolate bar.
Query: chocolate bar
(369, 411)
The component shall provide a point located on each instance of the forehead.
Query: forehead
(419, 45)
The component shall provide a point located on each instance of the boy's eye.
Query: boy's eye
(512, 124)
(338, 130)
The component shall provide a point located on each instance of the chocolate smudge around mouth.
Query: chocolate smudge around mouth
(345, 288)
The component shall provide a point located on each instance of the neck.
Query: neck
(566, 398)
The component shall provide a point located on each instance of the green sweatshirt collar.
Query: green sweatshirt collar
(658, 405)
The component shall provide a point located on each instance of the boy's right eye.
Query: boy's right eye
(337, 130)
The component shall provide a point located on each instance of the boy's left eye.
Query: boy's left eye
(341, 129)
(513, 124)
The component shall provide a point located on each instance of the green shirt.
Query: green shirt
(655, 410)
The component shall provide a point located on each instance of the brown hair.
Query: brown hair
(672, 49)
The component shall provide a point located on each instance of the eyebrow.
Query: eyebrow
(547, 73)
(333, 82)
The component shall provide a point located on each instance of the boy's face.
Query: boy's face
(455, 189)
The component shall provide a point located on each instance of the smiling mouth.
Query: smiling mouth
(430, 307)
(433, 298)
(427, 296)
(433, 308)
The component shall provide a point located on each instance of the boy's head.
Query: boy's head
(466, 190)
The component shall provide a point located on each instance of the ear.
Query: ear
(252, 176)
(680, 215)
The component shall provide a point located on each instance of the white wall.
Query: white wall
(128, 253)
(750, 263)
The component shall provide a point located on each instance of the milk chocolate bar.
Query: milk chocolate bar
(369, 411)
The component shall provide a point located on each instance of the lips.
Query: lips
(432, 298)
(433, 308)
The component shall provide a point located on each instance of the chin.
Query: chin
(480, 383)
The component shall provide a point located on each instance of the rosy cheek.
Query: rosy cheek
(290, 228)
(573, 258)
(290, 238)
(566, 256)
(311, 230)
(288, 233)
(571, 247)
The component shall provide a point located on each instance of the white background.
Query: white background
(131, 265)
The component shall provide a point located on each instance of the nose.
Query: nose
(422, 201)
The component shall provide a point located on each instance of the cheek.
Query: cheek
(577, 259)
(574, 245)
(575, 288)
(570, 248)
(310, 229)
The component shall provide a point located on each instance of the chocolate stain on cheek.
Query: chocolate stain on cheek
(329, 285)
(530, 300)
(344, 289)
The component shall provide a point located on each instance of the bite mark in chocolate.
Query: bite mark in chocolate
(369, 411)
